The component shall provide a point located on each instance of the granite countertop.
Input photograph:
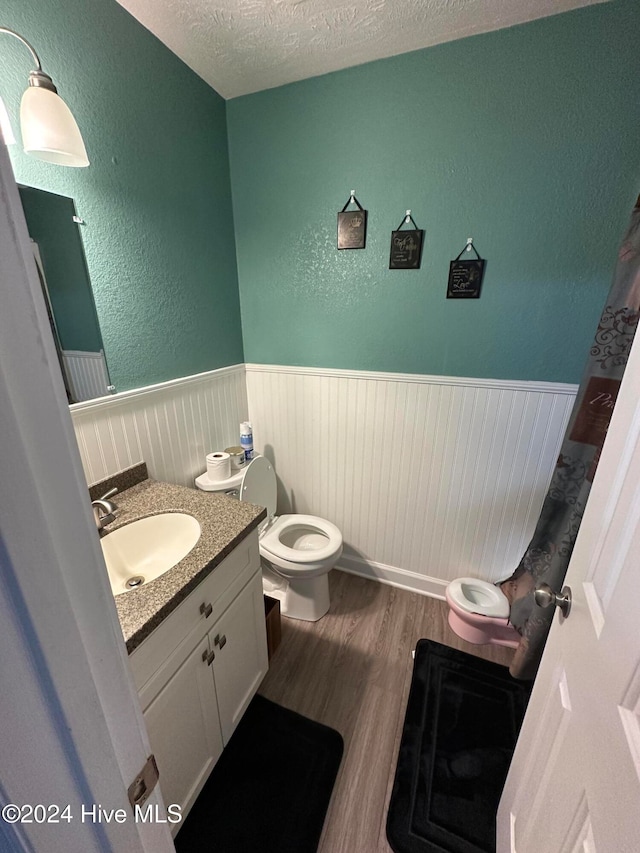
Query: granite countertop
(224, 523)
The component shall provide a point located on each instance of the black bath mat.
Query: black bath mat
(462, 721)
(270, 790)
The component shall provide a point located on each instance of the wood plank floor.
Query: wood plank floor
(352, 671)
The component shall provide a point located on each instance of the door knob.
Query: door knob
(546, 597)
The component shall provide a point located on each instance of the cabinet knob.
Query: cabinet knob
(220, 640)
(206, 609)
(209, 657)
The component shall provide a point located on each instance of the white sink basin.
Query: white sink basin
(145, 549)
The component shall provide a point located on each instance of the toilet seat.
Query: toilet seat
(293, 538)
(477, 596)
(301, 539)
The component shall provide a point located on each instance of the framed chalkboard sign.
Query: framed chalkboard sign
(465, 277)
(406, 246)
(352, 225)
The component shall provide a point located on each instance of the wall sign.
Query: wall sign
(465, 277)
(352, 225)
(406, 246)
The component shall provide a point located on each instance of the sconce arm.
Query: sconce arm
(31, 50)
(37, 77)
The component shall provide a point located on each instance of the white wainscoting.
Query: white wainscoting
(87, 373)
(429, 478)
(170, 426)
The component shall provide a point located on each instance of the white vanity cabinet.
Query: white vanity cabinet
(184, 729)
(197, 672)
(239, 642)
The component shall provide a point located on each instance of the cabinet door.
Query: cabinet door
(184, 729)
(239, 640)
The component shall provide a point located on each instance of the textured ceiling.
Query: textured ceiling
(242, 46)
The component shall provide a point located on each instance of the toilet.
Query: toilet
(479, 613)
(297, 551)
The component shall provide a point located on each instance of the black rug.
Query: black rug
(270, 790)
(462, 721)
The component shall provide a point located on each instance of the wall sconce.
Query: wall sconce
(49, 130)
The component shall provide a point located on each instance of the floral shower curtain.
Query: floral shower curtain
(547, 557)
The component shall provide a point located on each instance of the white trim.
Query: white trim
(114, 399)
(379, 376)
(392, 576)
(419, 378)
(78, 353)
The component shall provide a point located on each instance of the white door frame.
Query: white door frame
(71, 728)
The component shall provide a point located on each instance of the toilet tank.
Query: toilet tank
(230, 486)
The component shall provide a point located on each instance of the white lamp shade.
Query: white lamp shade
(49, 131)
(5, 125)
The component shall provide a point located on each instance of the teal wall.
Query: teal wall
(156, 198)
(525, 139)
(50, 223)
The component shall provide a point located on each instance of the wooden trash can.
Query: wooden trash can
(272, 619)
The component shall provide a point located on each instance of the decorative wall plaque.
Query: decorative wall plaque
(406, 246)
(352, 225)
(465, 277)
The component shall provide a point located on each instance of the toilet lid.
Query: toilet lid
(259, 486)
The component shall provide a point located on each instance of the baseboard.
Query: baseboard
(392, 576)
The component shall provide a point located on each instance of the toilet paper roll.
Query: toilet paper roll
(218, 466)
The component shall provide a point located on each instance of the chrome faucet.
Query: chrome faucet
(104, 510)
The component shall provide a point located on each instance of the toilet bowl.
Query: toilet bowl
(479, 613)
(297, 551)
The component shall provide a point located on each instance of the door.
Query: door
(574, 783)
(239, 641)
(72, 728)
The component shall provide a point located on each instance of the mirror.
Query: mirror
(57, 247)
